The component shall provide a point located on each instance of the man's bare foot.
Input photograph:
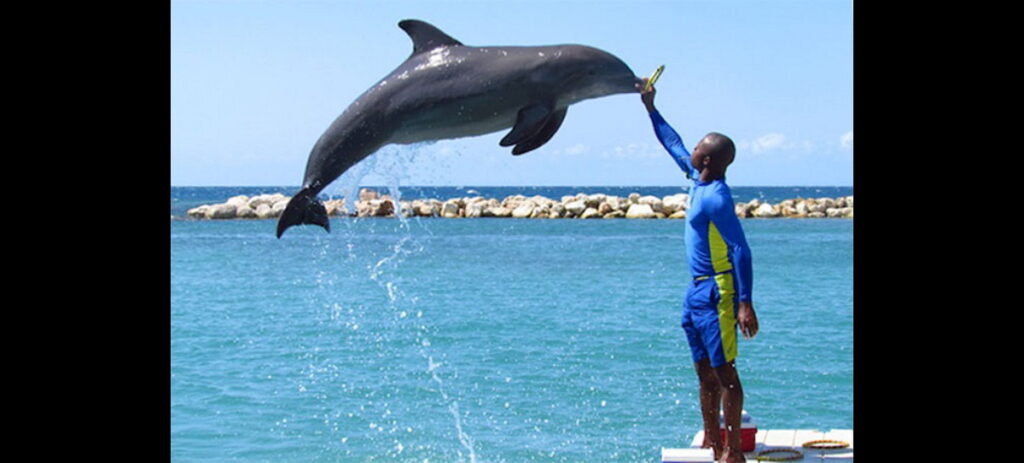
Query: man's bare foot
(717, 450)
(730, 457)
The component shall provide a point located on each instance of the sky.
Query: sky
(255, 83)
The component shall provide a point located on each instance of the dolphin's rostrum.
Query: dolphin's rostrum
(449, 90)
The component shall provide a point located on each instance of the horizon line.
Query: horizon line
(512, 186)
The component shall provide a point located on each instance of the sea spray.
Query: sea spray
(453, 406)
(393, 329)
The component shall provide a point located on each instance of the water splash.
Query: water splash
(398, 312)
(390, 165)
(453, 405)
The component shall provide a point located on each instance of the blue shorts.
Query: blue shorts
(709, 318)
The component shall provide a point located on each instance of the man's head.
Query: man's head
(714, 152)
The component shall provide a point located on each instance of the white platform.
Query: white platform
(771, 438)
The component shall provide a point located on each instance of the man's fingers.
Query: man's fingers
(749, 328)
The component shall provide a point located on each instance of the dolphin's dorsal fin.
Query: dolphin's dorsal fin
(425, 37)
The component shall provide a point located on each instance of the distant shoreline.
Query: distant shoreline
(372, 203)
(385, 187)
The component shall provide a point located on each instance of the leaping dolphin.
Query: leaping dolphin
(449, 90)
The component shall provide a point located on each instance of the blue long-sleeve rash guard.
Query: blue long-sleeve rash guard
(715, 242)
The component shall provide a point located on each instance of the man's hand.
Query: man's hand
(747, 320)
(647, 97)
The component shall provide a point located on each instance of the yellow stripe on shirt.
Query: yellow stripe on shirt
(719, 250)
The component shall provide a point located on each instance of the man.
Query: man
(719, 295)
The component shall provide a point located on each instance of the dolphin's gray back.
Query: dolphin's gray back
(465, 91)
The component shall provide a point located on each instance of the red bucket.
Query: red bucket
(748, 431)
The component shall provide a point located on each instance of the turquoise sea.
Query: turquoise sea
(485, 340)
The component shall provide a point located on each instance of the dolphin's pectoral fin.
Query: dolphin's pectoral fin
(545, 133)
(531, 119)
(425, 37)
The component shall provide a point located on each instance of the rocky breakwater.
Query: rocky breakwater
(579, 206)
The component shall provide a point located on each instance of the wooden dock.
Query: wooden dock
(768, 439)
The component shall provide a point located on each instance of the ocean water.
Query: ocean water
(485, 340)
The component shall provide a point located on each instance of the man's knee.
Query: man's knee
(706, 374)
(728, 377)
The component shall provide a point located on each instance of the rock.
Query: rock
(766, 210)
(221, 211)
(540, 212)
(816, 215)
(265, 211)
(591, 213)
(605, 208)
(616, 203)
(743, 210)
(552, 214)
(849, 201)
(827, 202)
(673, 203)
(523, 212)
(839, 212)
(616, 214)
(240, 200)
(803, 207)
(543, 202)
(653, 201)
(405, 208)
(498, 212)
(475, 209)
(450, 209)
(425, 208)
(363, 209)
(243, 211)
(575, 208)
(678, 215)
(269, 200)
(788, 211)
(595, 200)
(557, 209)
(277, 208)
(198, 212)
(633, 198)
(366, 194)
(513, 201)
(383, 207)
(640, 211)
(336, 207)
(815, 206)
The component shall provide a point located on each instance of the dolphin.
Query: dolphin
(445, 89)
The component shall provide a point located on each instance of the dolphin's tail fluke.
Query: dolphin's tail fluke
(303, 208)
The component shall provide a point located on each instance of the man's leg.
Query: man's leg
(710, 400)
(732, 403)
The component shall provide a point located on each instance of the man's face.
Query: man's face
(699, 159)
